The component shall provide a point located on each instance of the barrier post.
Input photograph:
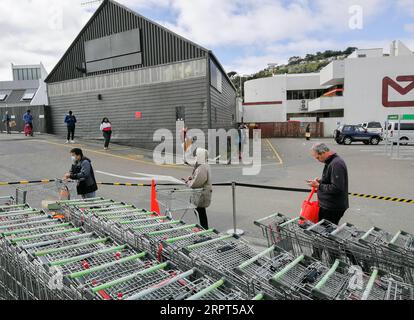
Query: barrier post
(234, 231)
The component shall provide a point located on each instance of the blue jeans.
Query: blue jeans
(89, 195)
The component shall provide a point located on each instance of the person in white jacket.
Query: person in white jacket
(106, 128)
(201, 179)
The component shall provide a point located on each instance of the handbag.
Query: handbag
(310, 209)
(12, 124)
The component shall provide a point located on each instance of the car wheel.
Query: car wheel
(374, 141)
(404, 141)
(347, 141)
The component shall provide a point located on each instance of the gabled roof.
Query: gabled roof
(100, 9)
(97, 12)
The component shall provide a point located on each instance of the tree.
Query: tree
(232, 74)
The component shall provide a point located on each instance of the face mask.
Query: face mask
(73, 159)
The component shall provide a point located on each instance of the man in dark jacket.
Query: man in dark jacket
(70, 121)
(83, 172)
(333, 186)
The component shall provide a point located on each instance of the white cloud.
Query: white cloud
(36, 31)
(248, 22)
(407, 6)
(409, 27)
(31, 28)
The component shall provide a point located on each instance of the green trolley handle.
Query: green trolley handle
(83, 273)
(86, 256)
(206, 291)
(131, 276)
(74, 246)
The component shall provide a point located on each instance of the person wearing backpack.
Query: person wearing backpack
(70, 121)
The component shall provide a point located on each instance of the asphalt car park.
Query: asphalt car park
(285, 163)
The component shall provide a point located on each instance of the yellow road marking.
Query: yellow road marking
(274, 151)
(114, 155)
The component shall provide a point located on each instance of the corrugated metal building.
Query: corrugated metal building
(141, 76)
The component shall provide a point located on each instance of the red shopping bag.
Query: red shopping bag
(310, 209)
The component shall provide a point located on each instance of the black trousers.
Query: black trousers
(71, 133)
(107, 135)
(202, 216)
(333, 216)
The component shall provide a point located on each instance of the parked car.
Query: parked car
(406, 132)
(373, 127)
(348, 134)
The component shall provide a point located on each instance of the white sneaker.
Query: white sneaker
(67, 141)
(73, 141)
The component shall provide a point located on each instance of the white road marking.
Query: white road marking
(159, 177)
(147, 178)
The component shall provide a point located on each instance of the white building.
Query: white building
(366, 86)
(27, 87)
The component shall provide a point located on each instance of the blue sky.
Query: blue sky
(245, 35)
(383, 21)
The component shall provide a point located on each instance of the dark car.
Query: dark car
(347, 134)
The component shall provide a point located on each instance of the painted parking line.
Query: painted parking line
(115, 156)
(274, 151)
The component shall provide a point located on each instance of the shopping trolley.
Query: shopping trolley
(221, 290)
(258, 270)
(270, 228)
(300, 276)
(403, 242)
(185, 286)
(219, 257)
(178, 200)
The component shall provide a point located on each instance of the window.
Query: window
(362, 56)
(3, 97)
(216, 77)
(375, 125)
(304, 94)
(405, 126)
(29, 94)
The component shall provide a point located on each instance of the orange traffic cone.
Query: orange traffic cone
(155, 207)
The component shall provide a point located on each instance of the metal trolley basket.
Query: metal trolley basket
(178, 200)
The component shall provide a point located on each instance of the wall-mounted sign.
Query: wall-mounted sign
(138, 115)
(403, 86)
(114, 51)
(42, 116)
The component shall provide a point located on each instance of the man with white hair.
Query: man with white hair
(333, 186)
(201, 179)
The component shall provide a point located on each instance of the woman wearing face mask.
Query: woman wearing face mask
(82, 171)
(201, 179)
(106, 128)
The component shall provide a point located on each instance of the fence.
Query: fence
(290, 129)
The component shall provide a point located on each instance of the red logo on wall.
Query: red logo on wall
(387, 82)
